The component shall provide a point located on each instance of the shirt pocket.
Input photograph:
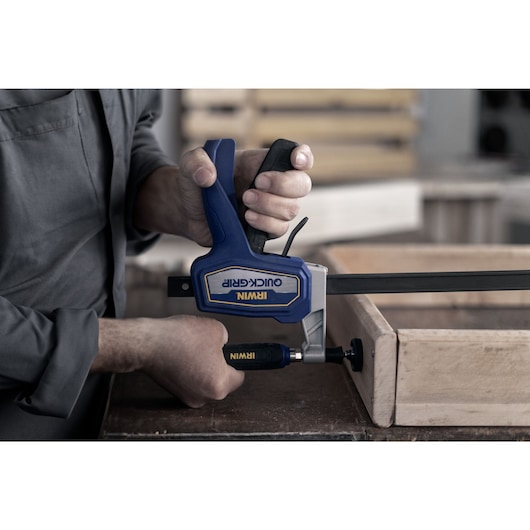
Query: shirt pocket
(48, 204)
(37, 118)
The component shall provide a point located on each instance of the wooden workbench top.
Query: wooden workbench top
(299, 402)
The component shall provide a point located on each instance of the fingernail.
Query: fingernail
(202, 176)
(250, 197)
(302, 159)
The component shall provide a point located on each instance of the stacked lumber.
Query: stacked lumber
(355, 134)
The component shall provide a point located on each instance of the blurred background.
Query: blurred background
(448, 166)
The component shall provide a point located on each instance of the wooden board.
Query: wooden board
(459, 360)
(304, 126)
(303, 98)
(219, 97)
(341, 163)
(376, 383)
(463, 377)
(301, 403)
(334, 126)
(298, 402)
(357, 98)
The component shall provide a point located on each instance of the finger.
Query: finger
(272, 226)
(283, 208)
(248, 162)
(235, 379)
(224, 332)
(197, 165)
(302, 157)
(194, 403)
(226, 382)
(293, 184)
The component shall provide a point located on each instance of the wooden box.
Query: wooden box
(436, 359)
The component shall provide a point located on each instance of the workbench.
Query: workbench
(314, 402)
(299, 402)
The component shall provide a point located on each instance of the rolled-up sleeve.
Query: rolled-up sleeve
(46, 357)
(146, 157)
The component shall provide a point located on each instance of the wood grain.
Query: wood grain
(463, 377)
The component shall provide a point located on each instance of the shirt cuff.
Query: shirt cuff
(58, 388)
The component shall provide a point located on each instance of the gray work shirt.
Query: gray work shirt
(70, 165)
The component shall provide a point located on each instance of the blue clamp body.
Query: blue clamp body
(234, 279)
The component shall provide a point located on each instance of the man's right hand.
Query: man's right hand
(183, 354)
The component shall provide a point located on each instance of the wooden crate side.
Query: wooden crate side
(206, 98)
(338, 163)
(427, 257)
(302, 98)
(420, 258)
(310, 127)
(357, 98)
(463, 377)
(356, 317)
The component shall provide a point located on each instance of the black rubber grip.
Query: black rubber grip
(278, 159)
(256, 356)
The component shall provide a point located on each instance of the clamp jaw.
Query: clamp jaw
(237, 277)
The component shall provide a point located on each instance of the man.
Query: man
(83, 181)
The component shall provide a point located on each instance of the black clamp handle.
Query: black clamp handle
(278, 159)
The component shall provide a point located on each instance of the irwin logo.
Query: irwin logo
(252, 295)
(243, 356)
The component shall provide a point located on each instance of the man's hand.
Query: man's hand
(274, 202)
(170, 201)
(183, 354)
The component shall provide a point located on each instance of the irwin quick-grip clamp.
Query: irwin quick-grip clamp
(237, 277)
